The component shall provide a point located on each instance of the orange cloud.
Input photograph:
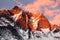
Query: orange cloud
(35, 6)
(55, 3)
(51, 12)
(56, 20)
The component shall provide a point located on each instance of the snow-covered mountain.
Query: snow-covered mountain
(17, 24)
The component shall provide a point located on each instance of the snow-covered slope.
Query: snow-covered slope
(6, 34)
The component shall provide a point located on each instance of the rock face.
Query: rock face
(17, 24)
(20, 16)
(43, 22)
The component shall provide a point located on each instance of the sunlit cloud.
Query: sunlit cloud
(51, 13)
(56, 20)
(35, 6)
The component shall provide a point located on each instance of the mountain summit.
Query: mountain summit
(34, 21)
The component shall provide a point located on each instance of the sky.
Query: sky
(49, 8)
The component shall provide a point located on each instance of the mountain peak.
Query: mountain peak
(37, 20)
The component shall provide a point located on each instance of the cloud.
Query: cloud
(51, 13)
(56, 20)
(35, 6)
(56, 3)
(17, 2)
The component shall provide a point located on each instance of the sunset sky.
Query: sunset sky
(49, 8)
